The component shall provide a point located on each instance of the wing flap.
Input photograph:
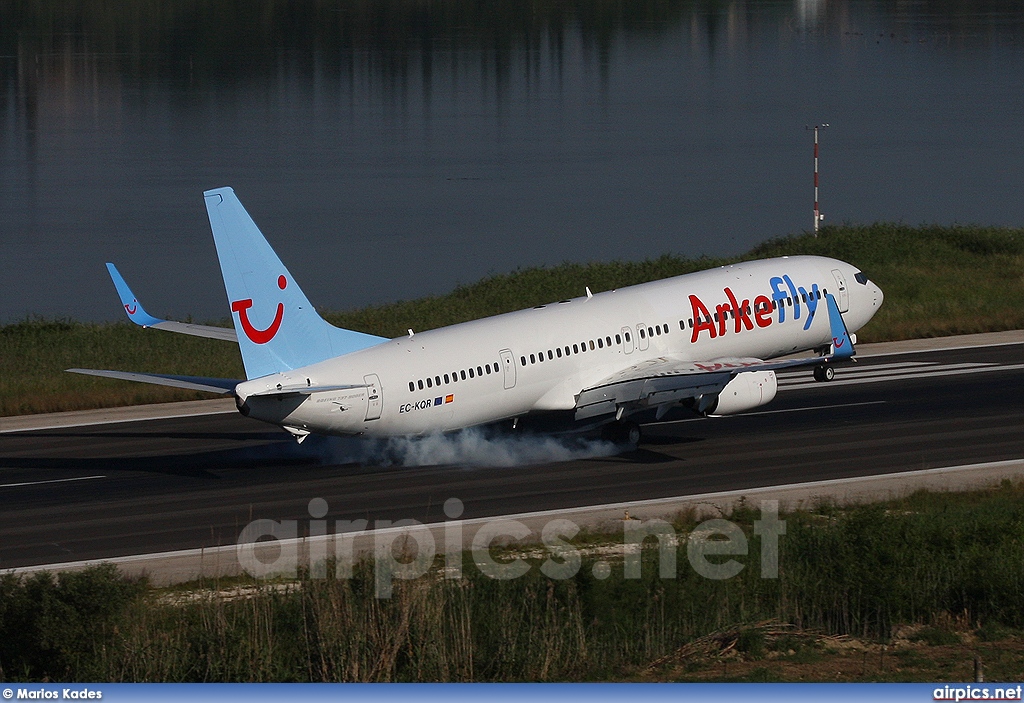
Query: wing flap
(673, 381)
(194, 383)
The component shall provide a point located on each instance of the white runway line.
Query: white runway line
(52, 480)
(767, 412)
(871, 372)
(931, 373)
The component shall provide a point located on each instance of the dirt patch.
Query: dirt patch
(771, 651)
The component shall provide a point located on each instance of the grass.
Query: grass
(904, 590)
(938, 281)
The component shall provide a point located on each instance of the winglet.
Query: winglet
(131, 304)
(842, 345)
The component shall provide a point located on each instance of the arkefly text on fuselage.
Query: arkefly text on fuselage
(707, 341)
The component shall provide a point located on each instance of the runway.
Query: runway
(150, 486)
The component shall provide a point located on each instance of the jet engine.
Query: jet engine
(746, 391)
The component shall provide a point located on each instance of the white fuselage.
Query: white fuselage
(540, 359)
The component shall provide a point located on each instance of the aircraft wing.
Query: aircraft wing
(664, 381)
(194, 383)
(133, 308)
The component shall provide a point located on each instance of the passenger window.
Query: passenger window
(446, 379)
(412, 386)
(437, 381)
(488, 367)
(591, 345)
(463, 375)
(607, 341)
(540, 356)
(627, 336)
(575, 349)
(471, 373)
(558, 352)
(550, 355)
(643, 335)
(455, 376)
(479, 371)
(618, 339)
(522, 360)
(600, 343)
(533, 359)
(420, 382)
(429, 383)
(497, 368)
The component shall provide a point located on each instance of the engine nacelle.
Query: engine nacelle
(748, 390)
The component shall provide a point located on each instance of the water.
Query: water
(391, 149)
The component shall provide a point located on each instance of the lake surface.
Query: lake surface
(391, 149)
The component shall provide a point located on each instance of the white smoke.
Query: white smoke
(472, 447)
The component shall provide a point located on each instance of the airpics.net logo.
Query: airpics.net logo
(408, 549)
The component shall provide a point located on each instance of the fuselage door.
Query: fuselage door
(627, 340)
(508, 363)
(843, 298)
(641, 337)
(374, 397)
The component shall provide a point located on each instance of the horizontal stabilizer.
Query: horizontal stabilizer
(137, 314)
(194, 383)
(224, 333)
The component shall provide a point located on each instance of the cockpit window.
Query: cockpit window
(861, 278)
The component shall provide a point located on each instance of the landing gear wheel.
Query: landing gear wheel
(623, 432)
(824, 373)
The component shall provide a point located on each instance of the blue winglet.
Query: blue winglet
(842, 345)
(132, 306)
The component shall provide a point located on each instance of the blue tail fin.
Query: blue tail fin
(277, 327)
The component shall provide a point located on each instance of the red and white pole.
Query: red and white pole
(817, 212)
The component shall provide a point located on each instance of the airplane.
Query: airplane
(708, 343)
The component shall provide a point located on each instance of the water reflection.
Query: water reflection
(452, 138)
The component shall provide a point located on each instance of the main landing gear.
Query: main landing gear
(825, 372)
(622, 432)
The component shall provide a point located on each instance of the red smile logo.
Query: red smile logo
(133, 308)
(256, 335)
(838, 342)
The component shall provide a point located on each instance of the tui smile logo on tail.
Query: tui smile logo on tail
(132, 308)
(257, 335)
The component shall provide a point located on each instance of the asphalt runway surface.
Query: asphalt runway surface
(152, 486)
